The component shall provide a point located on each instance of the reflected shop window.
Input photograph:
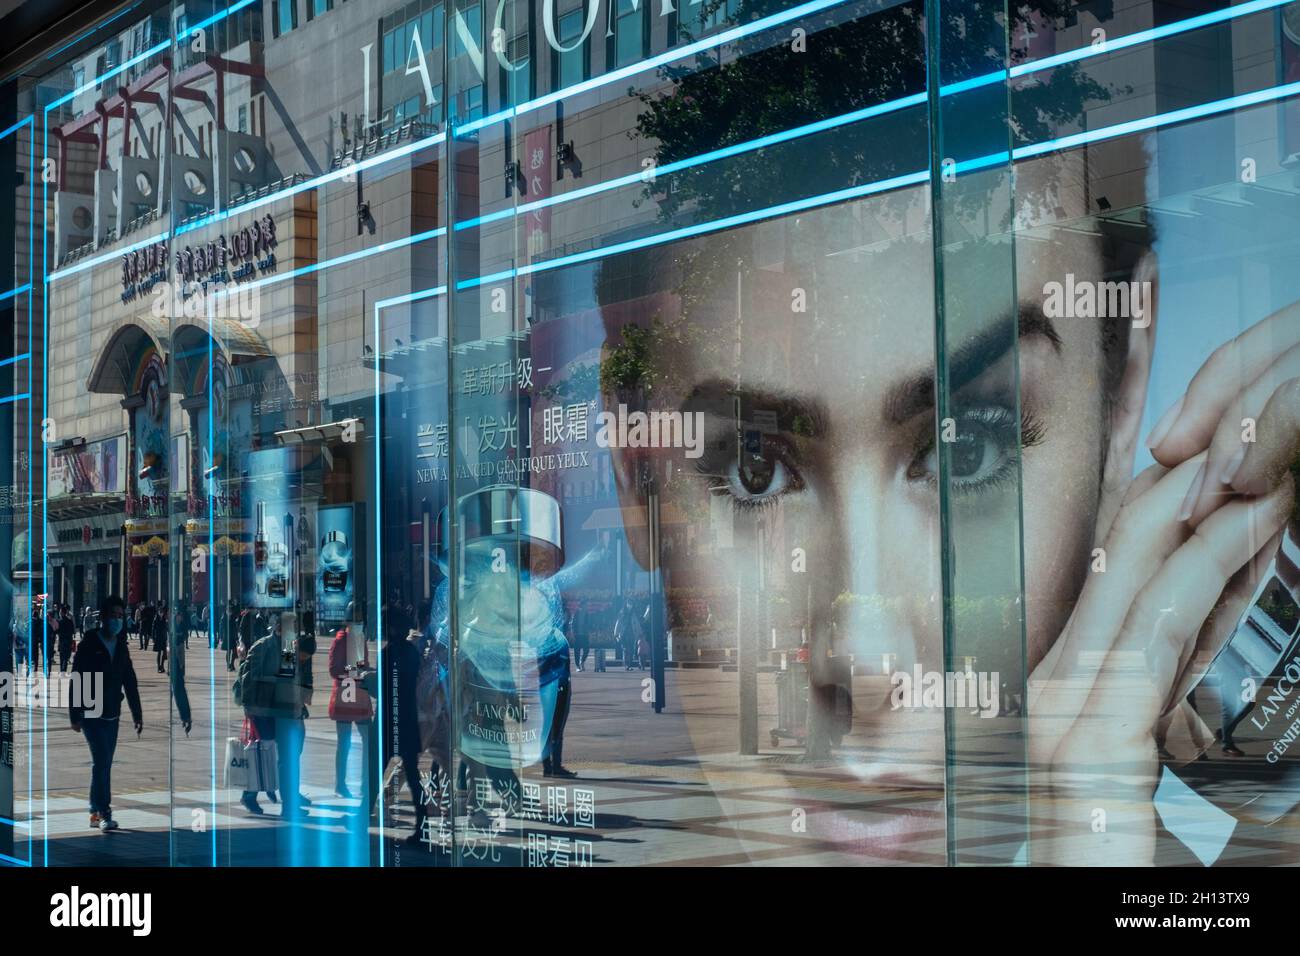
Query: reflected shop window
(567, 433)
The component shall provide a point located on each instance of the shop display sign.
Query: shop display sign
(335, 564)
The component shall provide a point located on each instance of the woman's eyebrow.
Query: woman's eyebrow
(794, 413)
(969, 361)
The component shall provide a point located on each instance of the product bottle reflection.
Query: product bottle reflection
(512, 684)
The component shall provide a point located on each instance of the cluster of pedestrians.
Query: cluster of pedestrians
(272, 656)
(631, 634)
(51, 630)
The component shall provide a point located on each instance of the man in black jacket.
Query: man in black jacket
(67, 631)
(104, 652)
(146, 624)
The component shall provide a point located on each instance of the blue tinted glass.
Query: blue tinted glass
(628, 38)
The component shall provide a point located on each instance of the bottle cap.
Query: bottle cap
(504, 514)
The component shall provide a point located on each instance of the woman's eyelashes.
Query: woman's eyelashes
(753, 479)
(985, 453)
(985, 449)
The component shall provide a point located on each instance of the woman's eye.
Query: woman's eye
(984, 450)
(754, 482)
(757, 478)
(976, 454)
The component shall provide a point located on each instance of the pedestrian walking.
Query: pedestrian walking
(160, 636)
(104, 653)
(349, 704)
(66, 631)
(579, 636)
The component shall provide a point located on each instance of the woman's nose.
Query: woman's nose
(887, 611)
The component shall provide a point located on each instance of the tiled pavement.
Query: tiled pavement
(656, 799)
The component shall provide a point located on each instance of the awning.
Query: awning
(155, 547)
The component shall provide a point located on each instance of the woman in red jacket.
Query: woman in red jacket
(349, 704)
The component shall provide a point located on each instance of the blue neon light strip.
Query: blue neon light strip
(15, 358)
(14, 398)
(14, 860)
(1112, 46)
(15, 292)
(94, 29)
(970, 165)
(965, 166)
(975, 82)
(97, 260)
(1160, 119)
(379, 605)
(1146, 36)
(45, 498)
(204, 24)
(825, 199)
(341, 173)
(31, 268)
(16, 823)
(669, 56)
(330, 263)
(409, 297)
(917, 99)
(153, 50)
(17, 126)
(92, 84)
(1254, 6)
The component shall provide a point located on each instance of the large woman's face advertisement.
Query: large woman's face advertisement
(835, 508)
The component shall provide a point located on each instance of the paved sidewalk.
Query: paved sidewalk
(654, 790)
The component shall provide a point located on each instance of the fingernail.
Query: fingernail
(1232, 466)
(1193, 493)
(1166, 422)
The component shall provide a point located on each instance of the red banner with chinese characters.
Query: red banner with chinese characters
(537, 164)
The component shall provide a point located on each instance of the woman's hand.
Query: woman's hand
(1244, 407)
(1096, 696)
(1183, 556)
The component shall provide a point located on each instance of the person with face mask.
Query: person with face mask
(103, 666)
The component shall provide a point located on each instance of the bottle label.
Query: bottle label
(506, 728)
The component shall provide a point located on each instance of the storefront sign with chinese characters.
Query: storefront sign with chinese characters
(550, 849)
(497, 378)
(230, 259)
(142, 269)
(499, 433)
(538, 176)
(146, 505)
(508, 805)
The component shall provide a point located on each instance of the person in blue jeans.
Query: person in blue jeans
(104, 652)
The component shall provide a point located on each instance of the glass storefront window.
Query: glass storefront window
(579, 433)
